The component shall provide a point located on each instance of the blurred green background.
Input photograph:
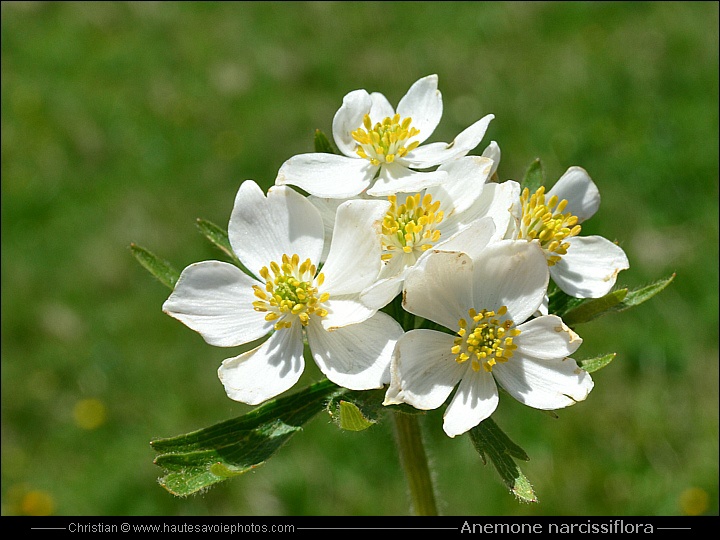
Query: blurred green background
(124, 122)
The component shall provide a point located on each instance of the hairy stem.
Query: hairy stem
(414, 462)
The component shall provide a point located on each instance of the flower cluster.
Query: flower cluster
(393, 220)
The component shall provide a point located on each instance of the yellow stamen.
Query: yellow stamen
(292, 294)
(546, 222)
(386, 140)
(411, 226)
(489, 341)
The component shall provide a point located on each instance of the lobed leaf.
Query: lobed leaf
(197, 460)
(490, 441)
(160, 268)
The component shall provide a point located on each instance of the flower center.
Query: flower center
(385, 141)
(484, 339)
(290, 295)
(410, 226)
(546, 223)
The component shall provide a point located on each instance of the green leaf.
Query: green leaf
(205, 457)
(322, 143)
(490, 441)
(160, 268)
(593, 307)
(219, 237)
(593, 364)
(534, 177)
(578, 310)
(638, 296)
(560, 303)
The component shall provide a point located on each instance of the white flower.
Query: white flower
(486, 300)
(443, 217)
(279, 239)
(582, 266)
(381, 147)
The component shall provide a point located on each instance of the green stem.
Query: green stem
(415, 464)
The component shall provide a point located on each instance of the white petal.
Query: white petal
(389, 283)
(328, 209)
(590, 267)
(396, 178)
(429, 155)
(543, 309)
(266, 371)
(516, 212)
(495, 202)
(345, 310)
(493, 152)
(439, 288)
(422, 103)
(465, 181)
(471, 136)
(357, 356)
(432, 154)
(544, 384)
(471, 240)
(513, 274)
(580, 191)
(380, 109)
(354, 261)
(215, 299)
(327, 175)
(381, 293)
(546, 338)
(475, 400)
(348, 118)
(398, 264)
(262, 229)
(423, 371)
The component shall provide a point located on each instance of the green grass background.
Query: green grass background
(124, 122)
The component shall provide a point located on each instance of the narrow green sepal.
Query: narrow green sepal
(322, 143)
(592, 308)
(351, 417)
(593, 364)
(198, 460)
(356, 410)
(491, 442)
(534, 177)
(160, 268)
(218, 236)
